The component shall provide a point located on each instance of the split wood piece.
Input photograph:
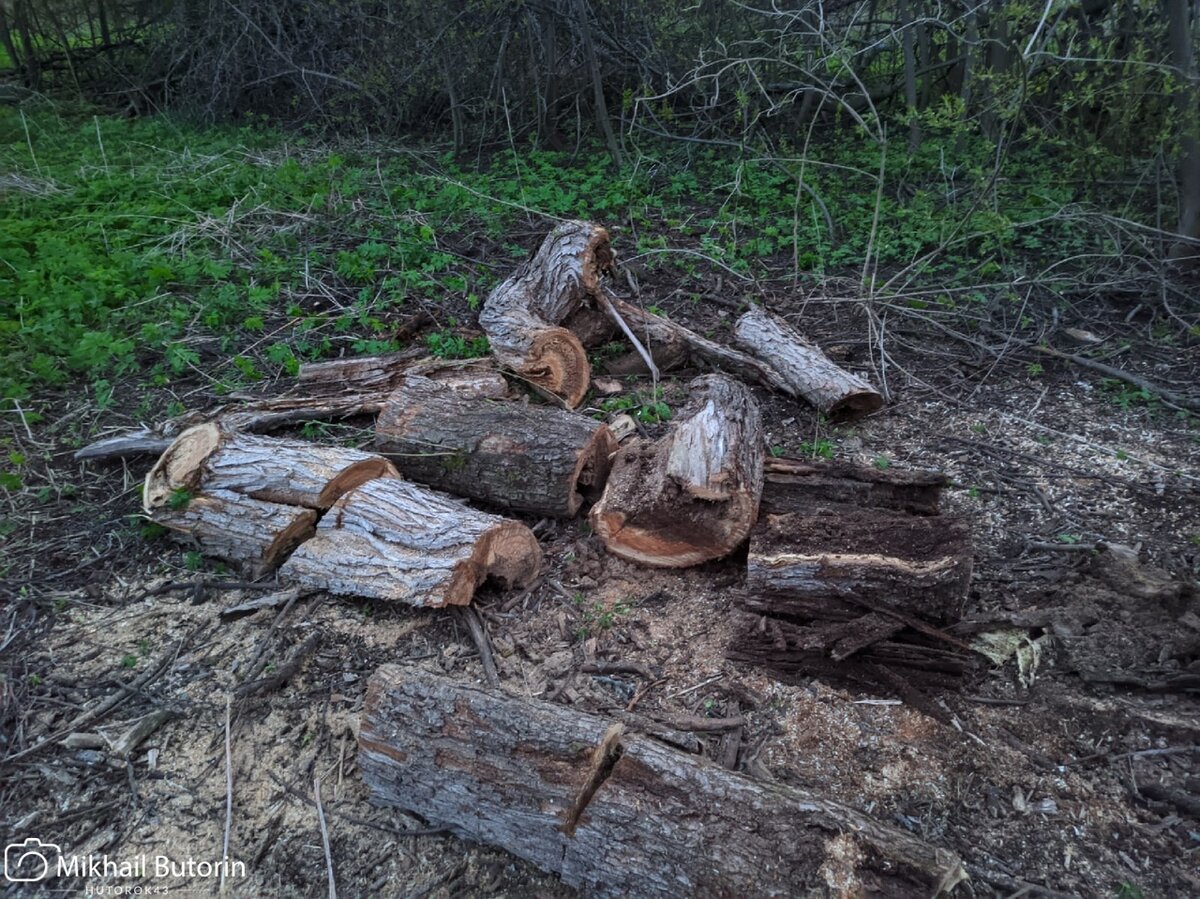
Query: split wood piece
(693, 495)
(527, 316)
(255, 534)
(393, 540)
(789, 484)
(807, 371)
(208, 458)
(615, 814)
(837, 560)
(533, 459)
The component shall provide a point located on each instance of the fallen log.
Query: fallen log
(789, 483)
(526, 316)
(693, 495)
(209, 458)
(615, 814)
(254, 534)
(512, 455)
(806, 370)
(838, 561)
(389, 539)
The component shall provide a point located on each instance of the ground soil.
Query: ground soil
(1041, 786)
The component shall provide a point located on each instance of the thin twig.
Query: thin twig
(228, 790)
(324, 835)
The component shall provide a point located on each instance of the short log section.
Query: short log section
(615, 814)
(806, 370)
(209, 458)
(393, 540)
(255, 535)
(534, 459)
(693, 495)
(526, 316)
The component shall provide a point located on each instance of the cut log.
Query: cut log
(526, 316)
(693, 495)
(324, 391)
(254, 534)
(209, 458)
(393, 540)
(616, 814)
(789, 484)
(513, 455)
(838, 561)
(807, 371)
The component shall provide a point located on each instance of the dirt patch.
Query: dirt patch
(1065, 784)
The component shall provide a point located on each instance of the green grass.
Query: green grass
(149, 252)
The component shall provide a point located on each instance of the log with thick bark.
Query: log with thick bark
(390, 539)
(513, 455)
(791, 483)
(693, 495)
(526, 317)
(837, 560)
(255, 534)
(210, 458)
(617, 814)
(806, 370)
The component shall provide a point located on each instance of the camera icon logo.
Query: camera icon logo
(29, 862)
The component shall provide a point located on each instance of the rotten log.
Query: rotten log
(526, 317)
(836, 561)
(615, 814)
(390, 539)
(788, 483)
(252, 533)
(693, 495)
(807, 371)
(533, 459)
(210, 458)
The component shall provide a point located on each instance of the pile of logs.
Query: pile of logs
(850, 572)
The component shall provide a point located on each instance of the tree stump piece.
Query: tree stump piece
(693, 495)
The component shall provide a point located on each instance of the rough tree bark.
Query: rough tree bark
(693, 495)
(393, 540)
(512, 455)
(616, 814)
(837, 558)
(210, 458)
(788, 483)
(806, 370)
(525, 316)
(254, 534)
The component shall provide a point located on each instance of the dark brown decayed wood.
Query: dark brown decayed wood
(390, 539)
(788, 483)
(692, 495)
(513, 455)
(618, 814)
(838, 557)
